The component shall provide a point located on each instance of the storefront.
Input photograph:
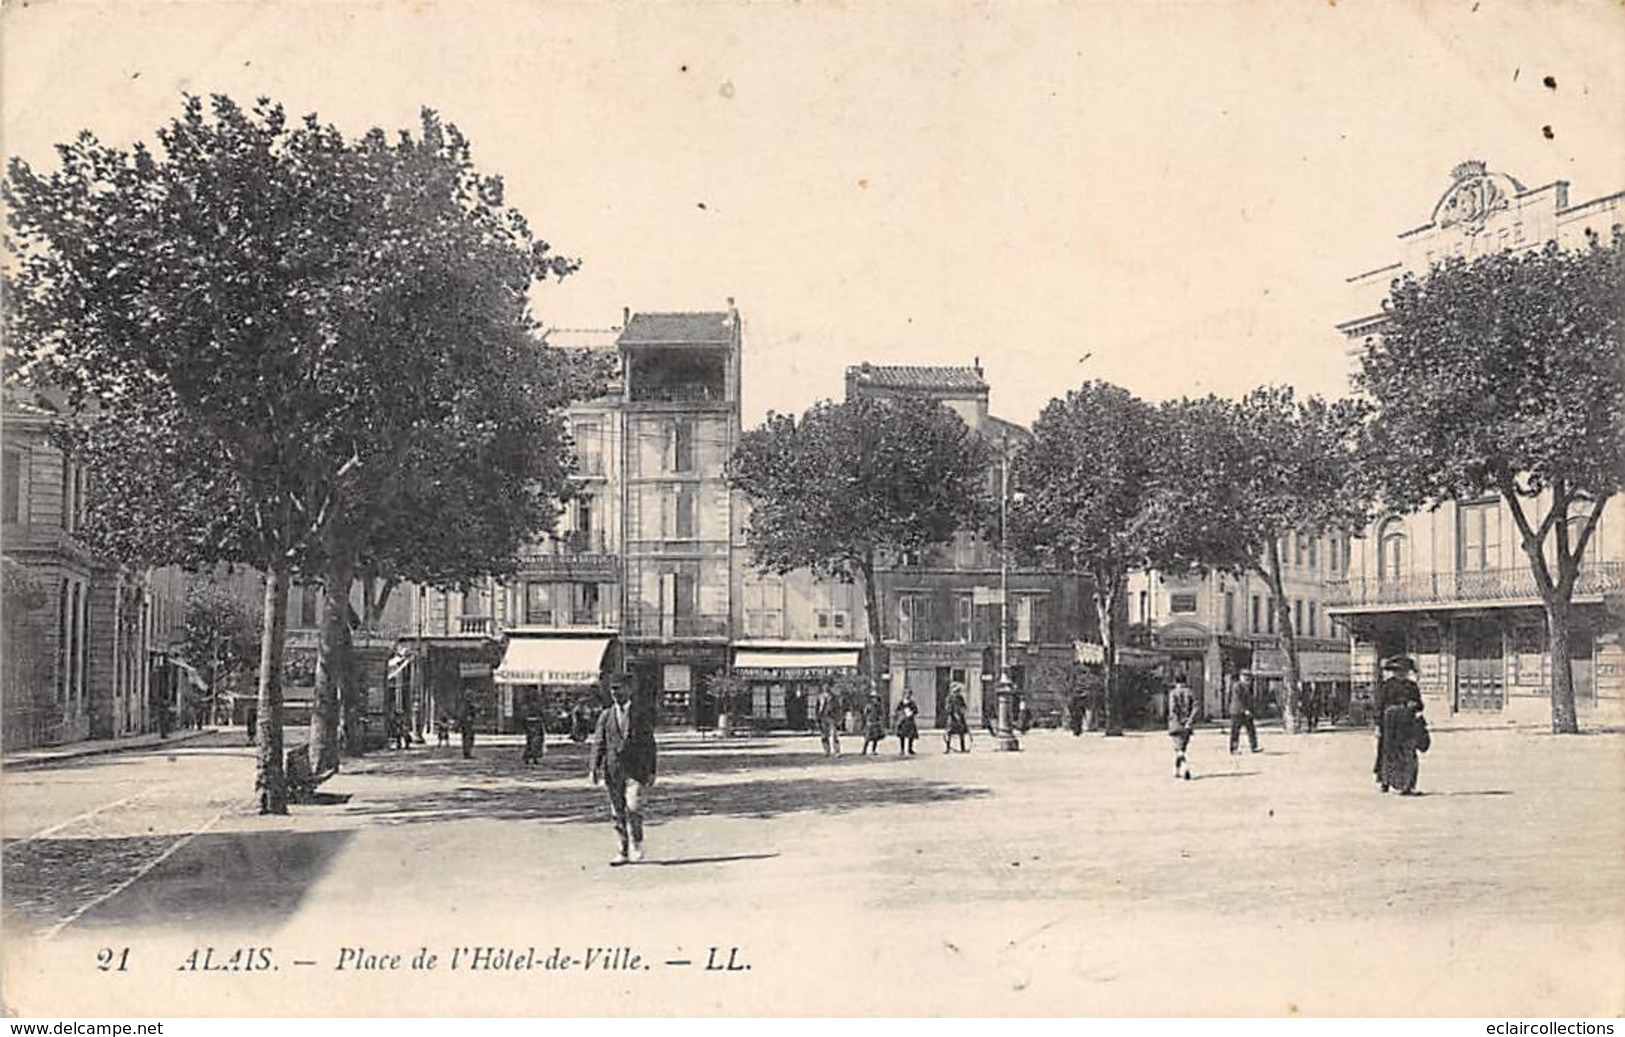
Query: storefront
(547, 672)
(782, 678)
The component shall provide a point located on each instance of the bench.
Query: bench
(302, 779)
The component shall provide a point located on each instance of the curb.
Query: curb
(80, 750)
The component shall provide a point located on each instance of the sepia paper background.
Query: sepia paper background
(1166, 196)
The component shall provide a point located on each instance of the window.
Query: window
(1297, 550)
(964, 618)
(1478, 536)
(764, 608)
(64, 635)
(1145, 607)
(67, 495)
(1029, 619)
(682, 445)
(308, 596)
(1393, 553)
(965, 551)
(1229, 610)
(584, 604)
(1314, 552)
(589, 444)
(913, 618)
(1297, 617)
(1269, 614)
(1331, 554)
(687, 513)
(1256, 609)
(12, 504)
(1314, 628)
(1181, 603)
(539, 604)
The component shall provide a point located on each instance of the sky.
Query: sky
(1168, 196)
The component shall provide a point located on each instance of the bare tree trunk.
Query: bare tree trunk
(1291, 719)
(1107, 593)
(871, 601)
(324, 717)
(270, 780)
(1560, 627)
(351, 695)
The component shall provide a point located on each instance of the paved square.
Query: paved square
(1076, 878)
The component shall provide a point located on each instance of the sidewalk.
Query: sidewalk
(45, 755)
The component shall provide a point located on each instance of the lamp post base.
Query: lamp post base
(1004, 736)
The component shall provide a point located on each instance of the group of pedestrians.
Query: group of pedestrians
(1402, 731)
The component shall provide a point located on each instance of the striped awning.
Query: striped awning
(552, 660)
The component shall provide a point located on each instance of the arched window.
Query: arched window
(1393, 551)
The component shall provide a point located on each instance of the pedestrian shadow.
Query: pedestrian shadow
(232, 881)
(678, 862)
(1467, 792)
(1225, 774)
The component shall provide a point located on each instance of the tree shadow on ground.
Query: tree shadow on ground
(577, 802)
(571, 762)
(240, 881)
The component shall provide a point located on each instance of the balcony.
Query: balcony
(476, 625)
(1482, 587)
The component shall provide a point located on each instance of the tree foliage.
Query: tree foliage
(848, 486)
(1236, 478)
(1083, 500)
(264, 325)
(221, 633)
(1503, 375)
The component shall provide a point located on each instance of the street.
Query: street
(1074, 878)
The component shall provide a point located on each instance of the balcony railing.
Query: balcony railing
(680, 392)
(475, 625)
(1484, 585)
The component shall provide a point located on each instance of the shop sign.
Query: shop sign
(793, 673)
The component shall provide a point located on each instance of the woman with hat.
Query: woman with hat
(1401, 730)
(874, 724)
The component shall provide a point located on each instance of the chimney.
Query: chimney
(626, 317)
(976, 363)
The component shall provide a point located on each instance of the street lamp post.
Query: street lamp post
(1004, 737)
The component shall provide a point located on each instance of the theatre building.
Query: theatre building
(1451, 587)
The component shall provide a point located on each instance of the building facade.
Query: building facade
(941, 610)
(1209, 627)
(1451, 587)
(87, 641)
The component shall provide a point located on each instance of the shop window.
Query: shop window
(1182, 603)
(584, 604)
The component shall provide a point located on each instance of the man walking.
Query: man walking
(829, 722)
(465, 727)
(623, 756)
(1243, 700)
(1181, 724)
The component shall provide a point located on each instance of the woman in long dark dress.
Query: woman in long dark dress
(958, 720)
(904, 724)
(1402, 731)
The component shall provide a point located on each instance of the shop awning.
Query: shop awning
(793, 661)
(552, 660)
(192, 676)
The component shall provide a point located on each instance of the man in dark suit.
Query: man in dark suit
(623, 756)
(1243, 700)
